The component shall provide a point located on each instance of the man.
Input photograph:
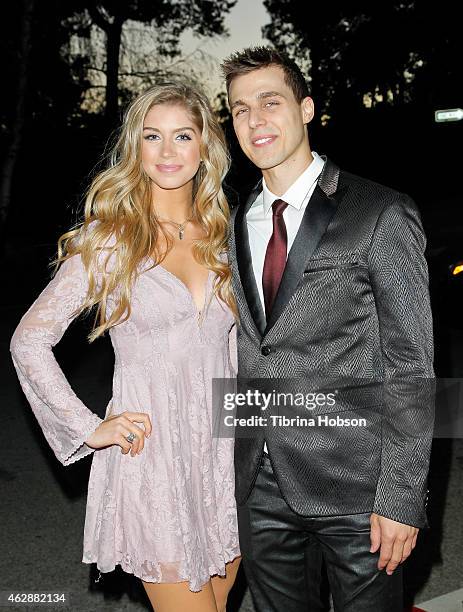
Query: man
(331, 285)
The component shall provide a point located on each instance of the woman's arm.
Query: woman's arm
(66, 422)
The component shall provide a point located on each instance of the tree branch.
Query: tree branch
(98, 18)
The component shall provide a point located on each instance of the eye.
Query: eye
(240, 111)
(272, 103)
(183, 137)
(151, 137)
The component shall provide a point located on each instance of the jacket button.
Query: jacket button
(266, 350)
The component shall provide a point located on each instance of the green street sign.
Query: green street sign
(449, 114)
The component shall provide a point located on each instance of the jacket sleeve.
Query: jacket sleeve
(65, 421)
(399, 277)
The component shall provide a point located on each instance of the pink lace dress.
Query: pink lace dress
(168, 514)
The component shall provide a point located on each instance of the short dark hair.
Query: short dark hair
(253, 58)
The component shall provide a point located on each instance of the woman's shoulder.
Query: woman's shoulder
(93, 246)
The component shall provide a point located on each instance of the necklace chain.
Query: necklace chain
(179, 226)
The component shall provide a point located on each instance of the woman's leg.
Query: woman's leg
(222, 585)
(177, 597)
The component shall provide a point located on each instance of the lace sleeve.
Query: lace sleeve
(65, 421)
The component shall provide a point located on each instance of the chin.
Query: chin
(170, 186)
(266, 164)
(174, 182)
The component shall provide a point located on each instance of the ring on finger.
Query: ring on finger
(131, 437)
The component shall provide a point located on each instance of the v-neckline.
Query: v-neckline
(199, 311)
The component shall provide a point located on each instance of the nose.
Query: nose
(167, 149)
(255, 118)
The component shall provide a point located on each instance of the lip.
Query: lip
(264, 140)
(168, 167)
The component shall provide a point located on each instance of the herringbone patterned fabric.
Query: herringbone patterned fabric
(356, 308)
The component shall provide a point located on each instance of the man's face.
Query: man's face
(269, 122)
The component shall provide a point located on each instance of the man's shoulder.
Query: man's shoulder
(366, 186)
(374, 196)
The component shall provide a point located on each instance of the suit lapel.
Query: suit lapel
(243, 257)
(317, 216)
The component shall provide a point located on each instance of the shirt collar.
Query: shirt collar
(297, 192)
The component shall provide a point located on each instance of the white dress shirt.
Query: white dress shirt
(259, 217)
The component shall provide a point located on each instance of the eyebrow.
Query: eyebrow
(181, 129)
(260, 96)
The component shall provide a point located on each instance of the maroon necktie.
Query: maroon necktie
(275, 256)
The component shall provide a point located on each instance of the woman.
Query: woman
(149, 257)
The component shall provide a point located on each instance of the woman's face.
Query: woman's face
(171, 146)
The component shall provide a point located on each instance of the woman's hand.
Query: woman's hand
(115, 429)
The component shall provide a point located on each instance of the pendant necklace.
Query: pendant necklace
(180, 226)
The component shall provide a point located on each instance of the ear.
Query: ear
(307, 109)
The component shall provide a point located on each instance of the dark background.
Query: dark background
(403, 57)
(377, 70)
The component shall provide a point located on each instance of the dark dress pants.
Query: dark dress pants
(282, 556)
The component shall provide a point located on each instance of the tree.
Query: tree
(17, 129)
(313, 38)
(370, 53)
(378, 71)
(49, 84)
(168, 19)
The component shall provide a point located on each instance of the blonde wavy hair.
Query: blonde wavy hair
(119, 224)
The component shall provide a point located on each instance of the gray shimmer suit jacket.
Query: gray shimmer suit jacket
(353, 312)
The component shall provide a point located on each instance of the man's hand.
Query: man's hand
(395, 539)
